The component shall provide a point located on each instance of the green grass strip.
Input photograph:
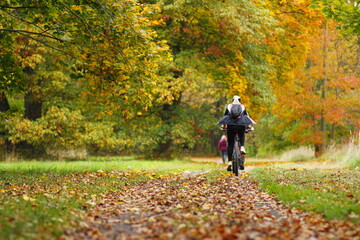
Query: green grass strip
(335, 194)
(106, 164)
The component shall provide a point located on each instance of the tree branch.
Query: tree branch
(44, 43)
(94, 29)
(25, 21)
(35, 33)
(3, 6)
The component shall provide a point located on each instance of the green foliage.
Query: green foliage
(345, 12)
(104, 53)
(177, 128)
(218, 40)
(10, 72)
(61, 129)
(100, 137)
(269, 139)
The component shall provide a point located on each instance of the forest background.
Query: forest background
(153, 77)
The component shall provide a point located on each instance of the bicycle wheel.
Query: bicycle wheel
(236, 159)
(242, 162)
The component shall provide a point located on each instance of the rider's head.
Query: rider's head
(236, 99)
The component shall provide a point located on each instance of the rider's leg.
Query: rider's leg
(230, 138)
(241, 133)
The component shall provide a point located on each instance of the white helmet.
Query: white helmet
(236, 98)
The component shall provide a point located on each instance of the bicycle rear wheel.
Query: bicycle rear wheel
(236, 159)
(242, 162)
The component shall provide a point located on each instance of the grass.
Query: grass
(333, 193)
(347, 155)
(328, 185)
(105, 164)
(41, 200)
(299, 154)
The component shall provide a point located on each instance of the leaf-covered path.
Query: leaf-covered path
(194, 206)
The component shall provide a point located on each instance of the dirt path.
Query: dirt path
(189, 206)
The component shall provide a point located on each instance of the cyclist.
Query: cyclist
(237, 124)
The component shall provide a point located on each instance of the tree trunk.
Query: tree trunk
(166, 115)
(4, 104)
(319, 150)
(32, 102)
(164, 150)
(33, 106)
(10, 153)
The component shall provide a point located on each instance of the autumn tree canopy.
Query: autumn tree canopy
(154, 76)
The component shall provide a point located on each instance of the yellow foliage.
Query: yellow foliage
(32, 61)
(237, 81)
(28, 199)
(77, 8)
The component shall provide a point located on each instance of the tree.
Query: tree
(288, 46)
(346, 13)
(106, 49)
(218, 52)
(286, 53)
(316, 105)
(108, 40)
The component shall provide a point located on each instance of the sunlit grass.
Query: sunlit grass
(106, 164)
(299, 154)
(333, 193)
(347, 155)
(327, 185)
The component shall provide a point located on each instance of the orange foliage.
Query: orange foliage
(296, 21)
(327, 86)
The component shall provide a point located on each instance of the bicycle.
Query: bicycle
(238, 159)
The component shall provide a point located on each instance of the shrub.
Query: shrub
(60, 131)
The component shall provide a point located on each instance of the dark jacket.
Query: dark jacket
(242, 120)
